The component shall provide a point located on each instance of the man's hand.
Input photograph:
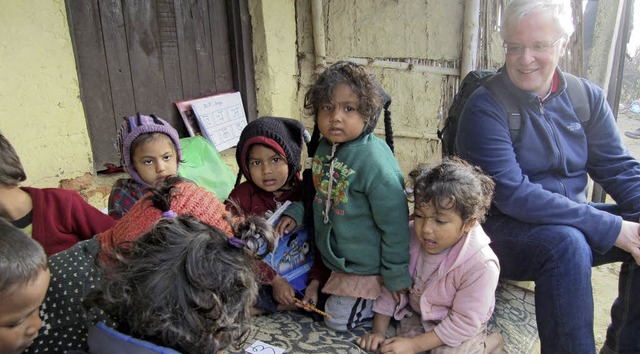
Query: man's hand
(629, 239)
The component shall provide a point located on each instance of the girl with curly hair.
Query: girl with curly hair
(455, 272)
(356, 203)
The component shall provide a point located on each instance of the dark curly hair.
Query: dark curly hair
(11, 170)
(352, 74)
(185, 285)
(372, 100)
(453, 184)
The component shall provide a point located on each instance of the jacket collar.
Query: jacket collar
(528, 98)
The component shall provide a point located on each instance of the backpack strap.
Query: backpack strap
(577, 96)
(508, 103)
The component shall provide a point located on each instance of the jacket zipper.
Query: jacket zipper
(555, 143)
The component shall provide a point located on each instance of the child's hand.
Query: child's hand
(310, 295)
(399, 345)
(397, 294)
(282, 291)
(370, 341)
(285, 225)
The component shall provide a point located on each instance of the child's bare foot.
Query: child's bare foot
(493, 343)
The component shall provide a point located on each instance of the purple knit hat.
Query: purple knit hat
(133, 127)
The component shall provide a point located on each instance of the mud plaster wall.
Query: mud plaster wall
(40, 111)
(274, 49)
(427, 31)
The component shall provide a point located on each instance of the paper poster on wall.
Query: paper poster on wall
(221, 118)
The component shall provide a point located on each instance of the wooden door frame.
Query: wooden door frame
(242, 60)
(241, 64)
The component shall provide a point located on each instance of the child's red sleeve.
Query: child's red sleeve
(87, 220)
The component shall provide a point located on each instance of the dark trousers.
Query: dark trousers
(559, 260)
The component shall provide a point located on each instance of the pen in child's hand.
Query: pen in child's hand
(312, 308)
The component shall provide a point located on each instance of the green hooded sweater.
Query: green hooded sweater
(366, 230)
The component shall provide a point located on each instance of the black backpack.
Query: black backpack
(477, 78)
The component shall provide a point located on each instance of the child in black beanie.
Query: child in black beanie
(268, 156)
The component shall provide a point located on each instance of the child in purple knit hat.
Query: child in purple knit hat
(150, 151)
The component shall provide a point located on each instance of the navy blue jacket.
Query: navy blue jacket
(542, 176)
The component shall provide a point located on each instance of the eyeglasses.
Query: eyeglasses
(513, 49)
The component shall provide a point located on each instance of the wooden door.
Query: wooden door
(143, 55)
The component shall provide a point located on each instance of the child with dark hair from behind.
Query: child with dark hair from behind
(201, 282)
(24, 278)
(357, 205)
(455, 272)
(150, 151)
(268, 155)
(54, 217)
(75, 272)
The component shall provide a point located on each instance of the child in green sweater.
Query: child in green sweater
(359, 210)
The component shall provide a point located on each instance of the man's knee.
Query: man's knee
(554, 247)
(566, 264)
(568, 244)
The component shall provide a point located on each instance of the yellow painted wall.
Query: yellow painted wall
(274, 55)
(40, 110)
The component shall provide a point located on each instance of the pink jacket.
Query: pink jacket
(462, 299)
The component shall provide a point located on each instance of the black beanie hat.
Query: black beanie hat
(284, 135)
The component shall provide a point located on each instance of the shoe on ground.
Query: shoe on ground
(633, 134)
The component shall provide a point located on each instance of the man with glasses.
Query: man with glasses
(541, 225)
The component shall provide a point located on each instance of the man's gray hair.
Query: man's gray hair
(560, 10)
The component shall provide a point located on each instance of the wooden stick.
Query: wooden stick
(312, 308)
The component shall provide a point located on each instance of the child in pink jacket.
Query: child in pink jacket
(455, 272)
